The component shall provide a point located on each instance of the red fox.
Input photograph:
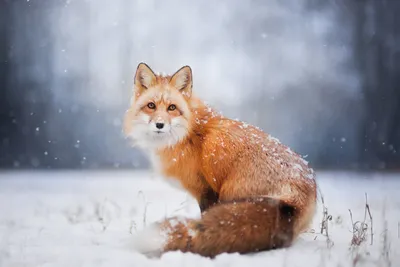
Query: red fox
(254, 193)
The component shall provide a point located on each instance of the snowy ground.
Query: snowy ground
(89, 219)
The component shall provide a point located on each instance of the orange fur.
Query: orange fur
(264, 192)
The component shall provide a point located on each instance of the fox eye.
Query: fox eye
(151, 105)
(171, 107)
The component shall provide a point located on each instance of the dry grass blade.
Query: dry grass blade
(360, 228)
(359, 231)
(146, 204)
(367, 210)
(326, 217)
(132, 226)
(385, 253)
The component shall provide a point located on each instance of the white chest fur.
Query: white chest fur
(158, 168)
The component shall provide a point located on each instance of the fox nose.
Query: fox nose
(159, 125)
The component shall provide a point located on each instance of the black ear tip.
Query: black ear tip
(142, 64)
(188, 68)
(143, 67)
(185, 68)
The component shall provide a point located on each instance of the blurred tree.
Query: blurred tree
(7, 128)
(377, 50)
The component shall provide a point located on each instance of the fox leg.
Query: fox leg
(241, 226)
(208, 199)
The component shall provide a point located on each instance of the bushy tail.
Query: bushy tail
(242, 226)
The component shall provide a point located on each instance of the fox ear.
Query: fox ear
(144, 77)
(182, 80)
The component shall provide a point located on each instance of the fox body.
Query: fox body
(254, 193)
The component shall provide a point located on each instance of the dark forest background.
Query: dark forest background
(42, 128)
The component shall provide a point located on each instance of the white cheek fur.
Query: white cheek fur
(179, 128)
(140, 128)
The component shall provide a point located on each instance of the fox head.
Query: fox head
(159, 114)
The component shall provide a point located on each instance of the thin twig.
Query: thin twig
(360, 228)
(370, 217)
(145, 207)
(324, 224)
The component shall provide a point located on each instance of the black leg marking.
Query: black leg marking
(208, 199)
